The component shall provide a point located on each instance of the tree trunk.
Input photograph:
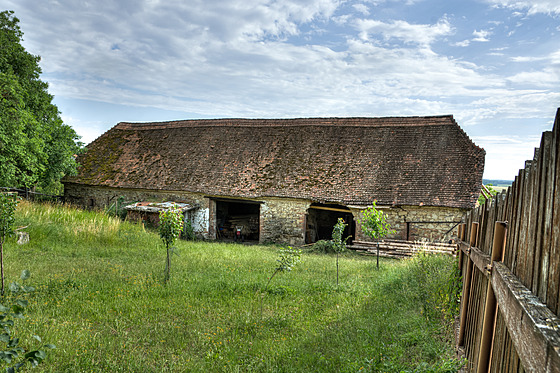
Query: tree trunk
(337, 268)
(377, 254)
(168, 266)
(2, 264)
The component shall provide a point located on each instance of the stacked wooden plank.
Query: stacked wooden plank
(402, 249)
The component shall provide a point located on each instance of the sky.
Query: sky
(493, 64)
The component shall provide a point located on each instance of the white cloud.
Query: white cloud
(270, 58)
(464, 43)
(409, 33)
(481, 35)
(362, 8)
(506, 155)
(531, 6)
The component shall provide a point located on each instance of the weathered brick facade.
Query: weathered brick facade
(240, 172)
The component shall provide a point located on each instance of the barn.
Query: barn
(288, 180)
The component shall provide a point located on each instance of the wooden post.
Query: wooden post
(467, 287)
(490, 309)
(461, 236)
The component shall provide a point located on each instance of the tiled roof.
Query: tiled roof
(397, 161)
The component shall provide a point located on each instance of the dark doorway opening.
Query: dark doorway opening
(321, 219)
(237, 220)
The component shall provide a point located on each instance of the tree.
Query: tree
(8, 204)
(339, 243)
(36, 148)
(170, 227)
(286, 261)
(374, 225)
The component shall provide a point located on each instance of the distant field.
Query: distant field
(497, 183)
(101, 301)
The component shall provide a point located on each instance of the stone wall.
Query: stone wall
(418, 223)
(102, 197)
(282, 220)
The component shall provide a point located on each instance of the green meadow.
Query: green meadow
(100, 298)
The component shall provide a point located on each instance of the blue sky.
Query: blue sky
(493, 64)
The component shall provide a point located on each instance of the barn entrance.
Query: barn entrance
(237, 220)
(321, 218)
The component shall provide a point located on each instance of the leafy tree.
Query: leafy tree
(374, 225)
(36, 148)
(339, 243)
(8, 204)
(170, 227)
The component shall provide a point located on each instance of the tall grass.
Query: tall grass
(100, 298)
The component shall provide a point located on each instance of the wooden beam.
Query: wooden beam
(533, 328)
(481, 260)
(330, 209)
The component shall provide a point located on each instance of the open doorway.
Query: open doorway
(237, 220)
(321, 219)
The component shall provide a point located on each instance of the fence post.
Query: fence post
(490, 308)
(467, 286)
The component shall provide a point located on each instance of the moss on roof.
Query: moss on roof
(399, 161)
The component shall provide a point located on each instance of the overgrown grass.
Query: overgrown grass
(101, 300)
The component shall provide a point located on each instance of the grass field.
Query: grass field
(100, 299)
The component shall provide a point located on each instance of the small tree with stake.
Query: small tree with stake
(374, 225)
(339, 243)
(170, 227)
(286, 261)
(8, 204)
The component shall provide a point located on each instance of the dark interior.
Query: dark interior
(321, 219)
(237, 221)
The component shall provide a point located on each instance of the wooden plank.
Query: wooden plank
(489, 324)
(534, 329)
(544, 208)
(465, 301)
(532, 217)
(547, 224)
(554, 258)
(518, 222)
(521, 265)
(480, 260)
(330, 209)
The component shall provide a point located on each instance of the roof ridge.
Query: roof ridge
(292, 122)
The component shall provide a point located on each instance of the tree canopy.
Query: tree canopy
(36, 148)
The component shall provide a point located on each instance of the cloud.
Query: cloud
(506, 155)
(481, 35)
(464, 43)
(362, 8)
(531, 6)
(268, 59)
(408, 33)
